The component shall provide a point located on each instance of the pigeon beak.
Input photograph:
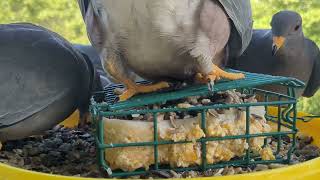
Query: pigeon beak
(278, 42)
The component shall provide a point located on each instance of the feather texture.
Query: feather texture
(159, 40)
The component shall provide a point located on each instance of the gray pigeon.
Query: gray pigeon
(283, 51)
(167, 40)
(91, 54)
(43, 80)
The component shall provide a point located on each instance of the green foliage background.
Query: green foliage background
(63, 17)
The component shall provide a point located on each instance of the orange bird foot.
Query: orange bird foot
(134, 89)
(217, 74)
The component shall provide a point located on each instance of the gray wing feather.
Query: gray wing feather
(95, 20)
(82, 6)
(240, 13)
(314, 81)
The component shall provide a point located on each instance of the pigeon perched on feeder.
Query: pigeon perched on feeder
(167, 40)
(283, 51)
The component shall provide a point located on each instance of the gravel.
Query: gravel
(72, 152)
(63, 151)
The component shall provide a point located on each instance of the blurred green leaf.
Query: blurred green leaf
(61, 16)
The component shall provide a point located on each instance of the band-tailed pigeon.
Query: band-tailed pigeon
(167, 40)
(91, 54)
(283, 51)
(43, 80)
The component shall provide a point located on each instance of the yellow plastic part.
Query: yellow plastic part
(72, 121)
(306, 170)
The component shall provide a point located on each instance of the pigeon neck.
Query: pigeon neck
(292, 44)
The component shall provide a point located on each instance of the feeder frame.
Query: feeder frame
(286, 117)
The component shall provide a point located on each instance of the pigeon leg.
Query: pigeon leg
(216, 74)
(0, 146)
(131, 87)
(205, 79)
(84, 119)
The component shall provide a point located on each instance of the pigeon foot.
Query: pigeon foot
(133, 89)
(217, 74)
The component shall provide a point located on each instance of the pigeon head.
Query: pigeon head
(286, 25)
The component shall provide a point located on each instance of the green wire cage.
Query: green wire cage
(285, 119)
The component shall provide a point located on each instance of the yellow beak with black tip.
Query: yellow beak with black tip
(278, 42)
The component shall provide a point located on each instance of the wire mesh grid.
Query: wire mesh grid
(285, 120)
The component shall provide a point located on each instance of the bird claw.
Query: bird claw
(210, 85)
(127, 94)
(136, 89)
(210, 78)
(217, 74)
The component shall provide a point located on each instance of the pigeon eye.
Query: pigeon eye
(297, 27)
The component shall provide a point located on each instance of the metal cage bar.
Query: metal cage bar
(286, 117)
(155, 140)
